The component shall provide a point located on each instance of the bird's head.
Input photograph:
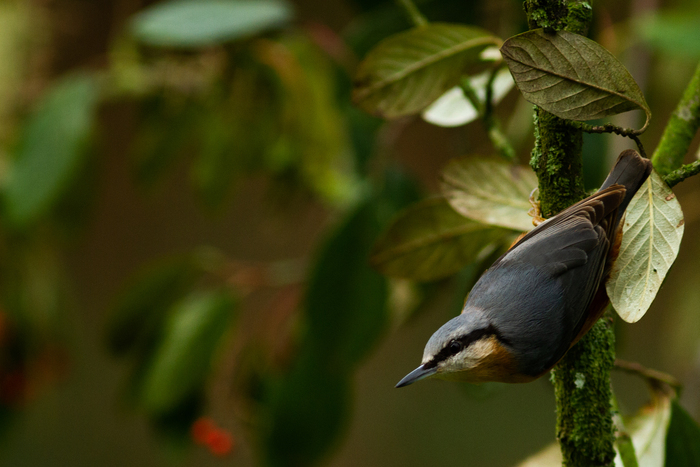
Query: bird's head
(466, 348)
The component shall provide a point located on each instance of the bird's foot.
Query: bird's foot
(534, 211)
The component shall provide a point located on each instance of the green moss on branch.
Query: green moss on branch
(582, 379)
(583, 396)
(680, 130)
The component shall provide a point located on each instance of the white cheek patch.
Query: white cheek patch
(470, 357)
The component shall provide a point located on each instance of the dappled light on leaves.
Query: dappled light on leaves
(408, 71)
(489, 190)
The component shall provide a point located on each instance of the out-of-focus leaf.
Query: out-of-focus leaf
(672, 32)
(309, 409)
(430, 241)
(165, 129)
(648, 432)
(199, 23)
(490, 191)
(183, 359)
(141, 310)
(683, 439)
(406, 72)
(215, 168)
(651, 237)
(454, 109)
(51, 150)
(313, 140)
(547, 457)
(571, 76)
(346, 299)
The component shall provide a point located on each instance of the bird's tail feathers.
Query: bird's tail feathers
(631, 170)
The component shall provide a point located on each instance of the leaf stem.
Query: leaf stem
(413, 12)
(623, 439)
(655, 378)
(681, 174)
(610, 128)
(680, 130)
(491, 123)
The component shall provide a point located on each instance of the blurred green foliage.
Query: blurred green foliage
(229, 92)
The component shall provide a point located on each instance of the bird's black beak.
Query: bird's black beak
(417, 375)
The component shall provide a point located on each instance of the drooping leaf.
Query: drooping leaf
(142, 308)
(550, 456)
(430, 241)
(406, 72)
(313, 138)
(309, 408)
(199, 23)
(454, 109)
(672, 32)
(571, 76)
(346, 299)
(490, 191)
(183, 359)
(651, 237)
(166, 128)
(51, 150)
(648, 432)
(683, 439)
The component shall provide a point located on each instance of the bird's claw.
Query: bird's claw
(534, 211)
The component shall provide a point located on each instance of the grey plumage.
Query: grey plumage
(537, 297)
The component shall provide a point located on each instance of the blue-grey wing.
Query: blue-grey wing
(538, 292)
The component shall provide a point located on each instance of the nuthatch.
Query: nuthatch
(541, 296)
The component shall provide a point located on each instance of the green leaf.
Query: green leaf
(454, 109)
(550, 456)
(406, 72)
(571, 76)
(647, 429)
(166, 130)
(672, 32)
(309, 409)
(142, 308)
(199, 23)
(648, 432)
(430, 241)
(346, 299)
(51, 150)
(183, 359)
(490, 191)
(651, 237)
(683, 439)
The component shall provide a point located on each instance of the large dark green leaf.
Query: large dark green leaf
(198, 23)
(51, 150)
(346, 299)
(683, 439)
(183, 359)
(430, 241)
(406, 72)
(309, 408)
(571, 76)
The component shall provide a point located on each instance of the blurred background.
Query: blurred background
(189, 199)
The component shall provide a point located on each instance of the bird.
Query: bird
(542, 295)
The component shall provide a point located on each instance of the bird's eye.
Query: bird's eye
(455, 347)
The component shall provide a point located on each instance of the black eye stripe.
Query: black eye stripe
(464, 342)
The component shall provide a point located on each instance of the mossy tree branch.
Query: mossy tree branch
(581, 380)
(680, 130)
